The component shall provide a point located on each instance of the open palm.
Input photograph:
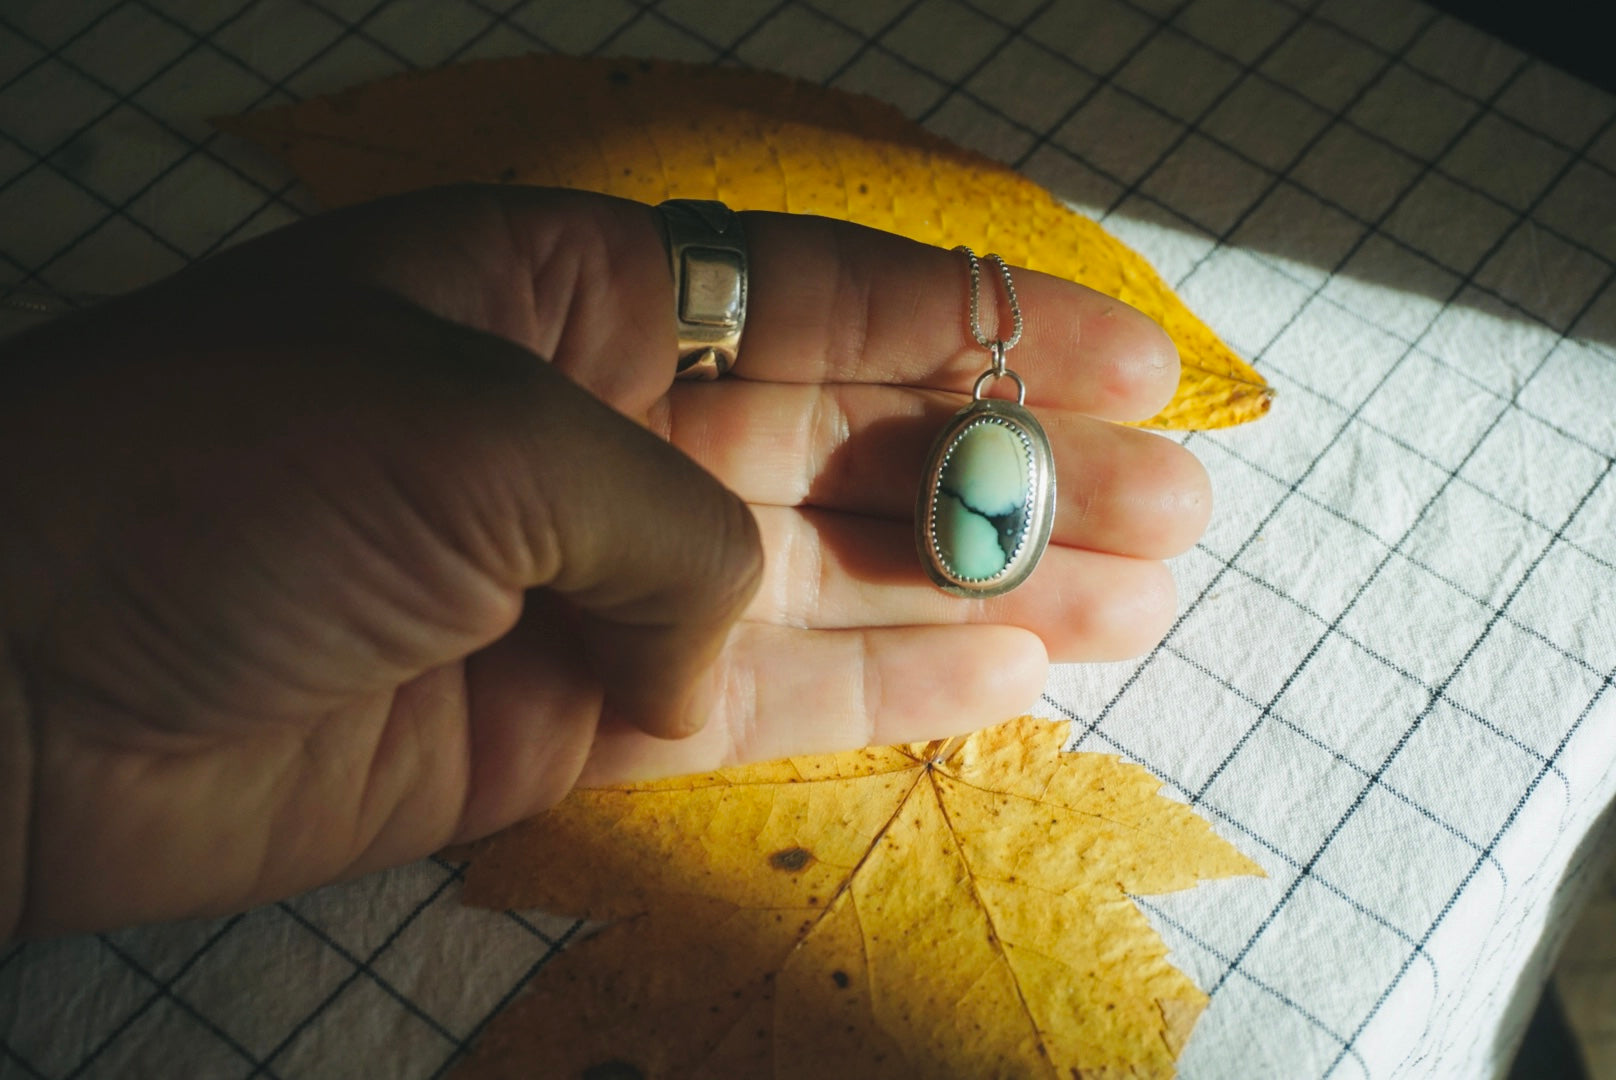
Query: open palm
(318, 567)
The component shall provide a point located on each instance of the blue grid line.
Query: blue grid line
(1198, 797)
(355, 28)
(364, 967)
(1307, 871)
(1257, 838)
(349, 28)
(1086, 730)
(226, 237)
(1451, 368)
(958, 87)
(1338, 117)
(33, 275)
(118, 209)
(521, 920)
(10, 1053)
(1459, 891)
(1015, 32)
(163, 989)
(1432, 697)
(1375, 226)
(1195, 228)
(628, 24)
(1439, 690)
(43, 158)
(348, 980)
(1350, 419)
(1256, 531)
(1192, 127)
(1335, 117)
(10, 951)
(1260, 984)
(507, 19)
(1353, 35)
(55, 53)
(464, 1045)
(1368, 533)
(728, 51)
(1132, 679)
(868, 42)
(1385, 661)
(458, 869)
(504, 18)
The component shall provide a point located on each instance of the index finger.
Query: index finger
(835, 302)
(583, 279)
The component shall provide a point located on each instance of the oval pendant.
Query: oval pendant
(987, 501)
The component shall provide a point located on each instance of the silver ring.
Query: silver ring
(707, 253)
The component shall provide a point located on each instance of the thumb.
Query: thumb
(656, 559)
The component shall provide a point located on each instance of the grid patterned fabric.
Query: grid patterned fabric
(1391, 680)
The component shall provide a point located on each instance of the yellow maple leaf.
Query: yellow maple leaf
(921, 911)
(651, 130)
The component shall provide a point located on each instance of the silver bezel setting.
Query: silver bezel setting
(1040, 498)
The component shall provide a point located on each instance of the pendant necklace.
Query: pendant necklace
(987, 500)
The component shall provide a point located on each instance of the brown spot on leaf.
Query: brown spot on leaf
(792, 859)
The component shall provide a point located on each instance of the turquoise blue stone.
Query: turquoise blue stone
(980, 514)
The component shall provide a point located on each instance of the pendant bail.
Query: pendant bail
(983, 379)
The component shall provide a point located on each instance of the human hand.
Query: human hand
(310, 566)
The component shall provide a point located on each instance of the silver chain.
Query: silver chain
(1003, 345)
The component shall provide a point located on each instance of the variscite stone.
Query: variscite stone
(980, 517)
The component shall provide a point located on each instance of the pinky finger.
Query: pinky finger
(781, 692)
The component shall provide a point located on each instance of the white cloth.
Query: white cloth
(1391, 683)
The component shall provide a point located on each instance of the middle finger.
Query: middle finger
(859, 448)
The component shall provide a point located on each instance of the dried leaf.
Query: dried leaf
(879, 913)
(652, 130)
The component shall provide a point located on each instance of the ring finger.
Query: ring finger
(829, 571)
